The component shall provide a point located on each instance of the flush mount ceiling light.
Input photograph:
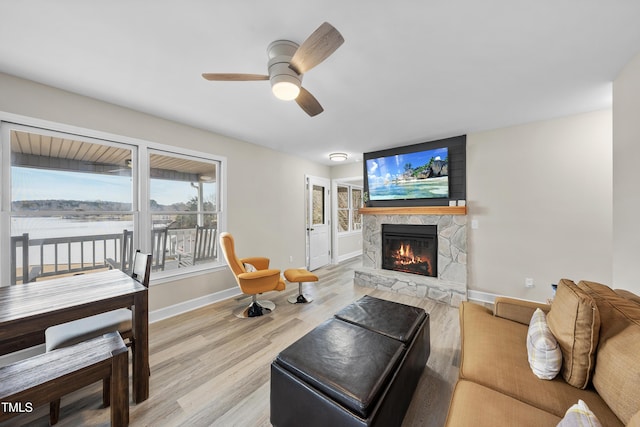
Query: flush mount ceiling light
(338, 157)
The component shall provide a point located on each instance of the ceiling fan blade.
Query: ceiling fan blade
(316, 48)
(234, 77)
(309, 103)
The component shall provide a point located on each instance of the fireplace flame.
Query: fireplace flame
(404, 257)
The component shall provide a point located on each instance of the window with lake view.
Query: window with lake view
(75, 202)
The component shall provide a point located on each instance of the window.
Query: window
(356, 204)
(184, 210)
(71, 200)
(318, 205)
(349, 201)
(74, 203)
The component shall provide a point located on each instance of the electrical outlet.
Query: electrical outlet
(528, 282)
(290, 258)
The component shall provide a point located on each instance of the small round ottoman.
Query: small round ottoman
(299, 276)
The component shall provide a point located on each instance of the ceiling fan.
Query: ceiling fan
(288, 62)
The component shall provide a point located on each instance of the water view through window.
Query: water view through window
(74, 206)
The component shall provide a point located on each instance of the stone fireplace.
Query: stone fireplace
(448, 279)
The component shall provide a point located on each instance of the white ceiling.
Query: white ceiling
(408, 72)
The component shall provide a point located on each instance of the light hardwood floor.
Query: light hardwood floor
(209, 368)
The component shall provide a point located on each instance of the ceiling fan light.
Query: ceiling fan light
(285, 91)
(338, 157)
(285, 87)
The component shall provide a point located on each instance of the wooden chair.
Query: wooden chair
(121, 320)
(158, 248)
(204, 247)
(126, 253)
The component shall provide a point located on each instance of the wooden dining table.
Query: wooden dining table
(27, 310)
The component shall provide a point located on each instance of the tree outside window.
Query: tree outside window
(356, 203)
(183, 199)
(349, 201)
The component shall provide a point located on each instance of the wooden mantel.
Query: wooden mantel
(415, 210)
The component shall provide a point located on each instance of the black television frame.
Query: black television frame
(456, 147)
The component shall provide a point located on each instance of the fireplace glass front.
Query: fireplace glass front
(410, 248)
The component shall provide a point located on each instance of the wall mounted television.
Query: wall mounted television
(415, 175)
(424, 174)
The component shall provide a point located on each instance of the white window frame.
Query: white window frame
(219, 211)
(141, 184)
(350, 209)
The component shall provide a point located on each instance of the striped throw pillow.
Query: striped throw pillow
(545, 355)
(579, 415)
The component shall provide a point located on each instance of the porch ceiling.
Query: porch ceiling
(45, 151)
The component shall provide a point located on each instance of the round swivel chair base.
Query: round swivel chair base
(300, 299)
(255, 309)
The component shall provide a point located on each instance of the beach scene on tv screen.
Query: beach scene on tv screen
(418, 175)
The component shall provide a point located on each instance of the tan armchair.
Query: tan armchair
(263, 279)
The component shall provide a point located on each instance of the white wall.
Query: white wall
(626, 177)
(347, 171)
(541, 192)
(265, 203)
(542, 196)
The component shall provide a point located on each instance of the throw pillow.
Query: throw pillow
(545, 356)
(628, 295)
(579, 415)
(575, 322)
(249, 268)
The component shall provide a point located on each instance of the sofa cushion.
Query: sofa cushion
(628, 295)
(575, 322)
(617, 372)
(494, 354)
(475, 405)
(579, 415)
(543, 351)
(611, 306)
(516, 309)
(617, 377)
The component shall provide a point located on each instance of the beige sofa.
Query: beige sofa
(496, 385)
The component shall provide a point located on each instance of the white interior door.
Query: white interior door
(318, 222)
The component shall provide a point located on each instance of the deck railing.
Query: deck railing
(61, 255)
(32, 259)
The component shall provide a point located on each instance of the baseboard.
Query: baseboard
(185, 306)
(481, 296)
(349, 256)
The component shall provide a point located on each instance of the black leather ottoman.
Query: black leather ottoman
(359, 368)
(395, 320)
